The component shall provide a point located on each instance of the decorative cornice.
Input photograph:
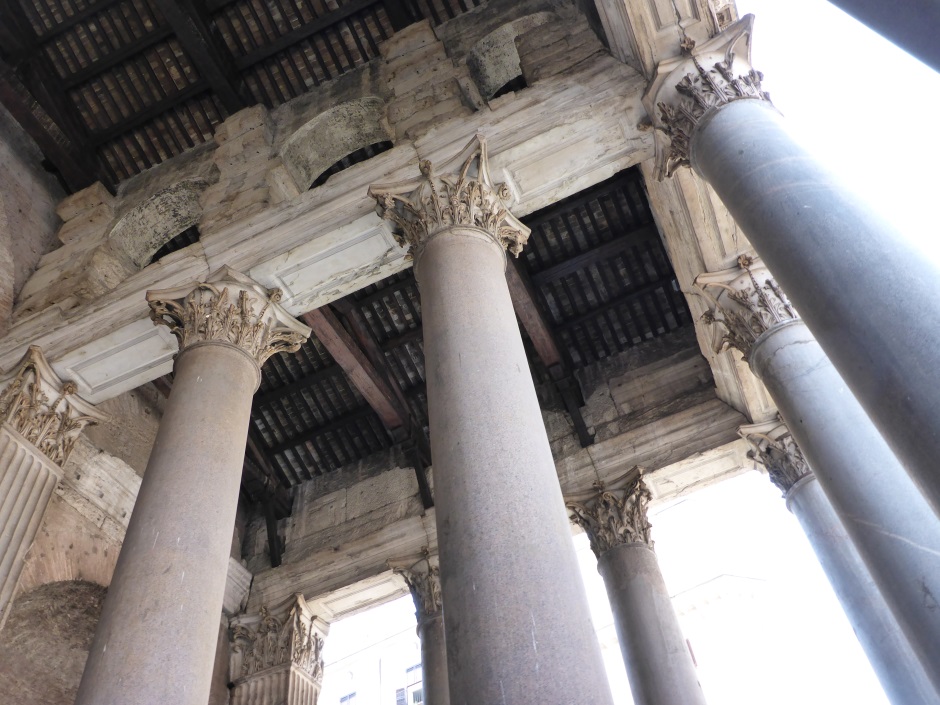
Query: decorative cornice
(423, 577)
(747, 302)
(265, 641)
(615, 514)
(44, 409)
(687, 88)
(423, 207)
(773, 446)
(229, 308)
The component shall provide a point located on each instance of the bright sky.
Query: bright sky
(754, 603)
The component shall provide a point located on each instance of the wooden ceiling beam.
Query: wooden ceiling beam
(207, 51)
(362, 374)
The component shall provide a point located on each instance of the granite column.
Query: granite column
(40, 420)
(890, 522)
(424, 581)
(659, 663)
(898, 669)
(867, 294)
(156, 639)
(516, 616)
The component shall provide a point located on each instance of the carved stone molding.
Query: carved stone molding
(44, 409)
(423, 577)
(746, 302)
(615, 514)
(466, 195)
(774, 447)
(687, 88)
(229, 308)
(291, 639)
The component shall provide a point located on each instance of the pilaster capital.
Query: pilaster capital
(746, 301)
(423, 576)
(291, 637)
(464, 196)
(615, 513)
(43, 408)
(773, 446)
(688, 88)
(228, 308)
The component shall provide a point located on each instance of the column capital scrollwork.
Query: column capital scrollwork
(615, 513)
(689, 87)
(465, 195)
(291, 637)
(228, 308)
(423, 577)
(746, 302)
(44, 409)
(774, 447)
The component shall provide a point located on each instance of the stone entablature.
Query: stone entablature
(576, 127)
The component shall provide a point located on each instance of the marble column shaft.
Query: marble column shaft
(656, 655)
(156, 640)
(870, 297)
(891, 656)
(40, 419)
(516, 616)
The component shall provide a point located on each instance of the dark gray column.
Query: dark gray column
(424, 580)
(659, 664)
(516, 615)
(156, 640)
(869, 297)
(891, 524)
(898, 669)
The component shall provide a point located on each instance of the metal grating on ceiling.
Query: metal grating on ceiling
(131, 83)
(601, 278)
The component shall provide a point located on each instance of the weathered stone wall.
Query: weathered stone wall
(27, 212)
(46, 641)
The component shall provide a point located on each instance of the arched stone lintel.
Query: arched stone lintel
(332, 135)
(149, 226)
(494, 60)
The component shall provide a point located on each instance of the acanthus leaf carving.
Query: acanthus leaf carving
(773, 446)
(44, 409)
(423, 578)
(422, 207)
(747, 304)
(705, 78)
(230, 308)
(615, 514)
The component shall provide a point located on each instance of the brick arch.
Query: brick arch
(332, 135)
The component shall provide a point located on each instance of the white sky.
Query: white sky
(755, 605)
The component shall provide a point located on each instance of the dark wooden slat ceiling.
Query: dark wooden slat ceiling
(601, 281)
(136, 82)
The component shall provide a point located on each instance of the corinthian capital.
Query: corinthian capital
(687, 88)
(774, 447)
(43, 408)
(464, 195)
(290, 638)
(746, 302)
(424, 580)
(228, 308)
(614, 514)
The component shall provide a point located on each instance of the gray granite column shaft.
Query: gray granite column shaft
(156, 640)
(869, 297)
(893, 527)
(659, 664)
(516, 615)
(155, 643)
(434, 660)
(894, 661)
